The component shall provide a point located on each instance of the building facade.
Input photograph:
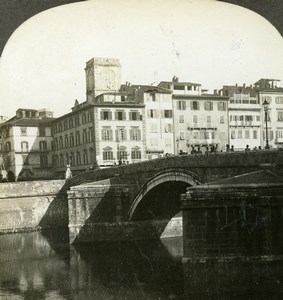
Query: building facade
(245, 122)
(200, 121)
(26, 145)
(269, 91)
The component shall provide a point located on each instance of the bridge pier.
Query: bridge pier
(94, 204)
(233, 238)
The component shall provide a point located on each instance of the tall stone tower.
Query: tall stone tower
(102, 75)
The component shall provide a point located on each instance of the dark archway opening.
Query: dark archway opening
(161, 202)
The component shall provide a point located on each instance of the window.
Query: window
(72, 140)
(89, 116)
(61, 160)
(78, 158)
(90, 134)
(60, 142)
(71, 123)
(233, 134)
(279, 100)
(268, 117)
(222, 119)
(121, 134)
(24, 146)
(240, 134)
(167, 113)
(23, 131)
(78, 138)
(135, 154)
(168, 142)
(181, 119)
(66, 141)
(195, 120)
(134, 115)
(77, 120)
(152, 113)
(85, 157)
(255, 134)
(41, 131)
(60, 127)
(84, 136)
(120, 115)
(168, 128)
(135, 134)
(72, 159)
(106, 134)
(181, 105)
(221, 106)
(194, 105)
(280, 115)
(65, 125)
(122, 155)
(208, 121)
(279, 134)
(153, 128)
(42, 145)
(106, 115)
(182, 135)
(107, 154)
(153, 96)
(208, 105)
(43, 160)
(8, 146)
(154, 142)
(195, 135)
(247, 134)
(84, 118)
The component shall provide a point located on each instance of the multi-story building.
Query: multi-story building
(268, 90)
(244, 116)
(199, 120)
(25, 147)
(158, 126)
(105, 130)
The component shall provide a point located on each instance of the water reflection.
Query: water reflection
(37, 266)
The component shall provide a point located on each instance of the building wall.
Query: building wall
(120, 134)
(159, 124)
(74, 140)
(200, 121)
(275, 119)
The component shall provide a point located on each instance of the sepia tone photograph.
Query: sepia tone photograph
(141, 149)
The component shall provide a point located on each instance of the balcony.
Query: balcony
(204, 126)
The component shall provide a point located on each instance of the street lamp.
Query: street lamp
(265, 106)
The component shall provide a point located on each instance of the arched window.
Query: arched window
(72, 159)
(61, 160)
(67, 157)
(85, 157)
(91, 155)
(66, 141)
(78, 158)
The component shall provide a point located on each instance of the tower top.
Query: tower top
(100, 61)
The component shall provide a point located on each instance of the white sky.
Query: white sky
(203, 41)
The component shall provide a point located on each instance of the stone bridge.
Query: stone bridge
(105, 204)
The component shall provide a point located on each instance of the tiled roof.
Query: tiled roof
(27, 121)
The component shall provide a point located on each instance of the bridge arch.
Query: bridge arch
(171, 175)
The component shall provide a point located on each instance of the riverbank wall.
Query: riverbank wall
(32, 205)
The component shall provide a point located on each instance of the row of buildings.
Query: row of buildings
(125, 123)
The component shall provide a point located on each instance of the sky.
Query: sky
(202, 41)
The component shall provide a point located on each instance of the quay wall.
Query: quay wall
(32, 205)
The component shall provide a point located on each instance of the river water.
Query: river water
(44, 266)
